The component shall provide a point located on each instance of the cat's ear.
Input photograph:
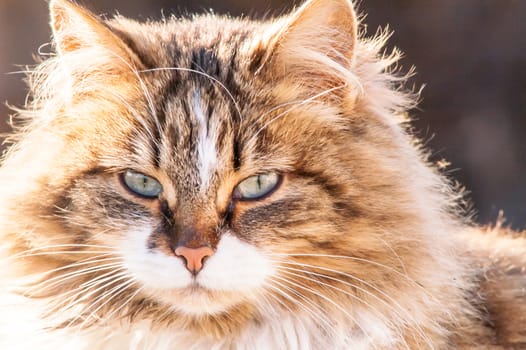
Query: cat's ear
(76, 28)
(316, 42)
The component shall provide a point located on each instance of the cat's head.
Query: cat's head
(210, 166)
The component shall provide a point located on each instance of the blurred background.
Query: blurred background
(470, 54)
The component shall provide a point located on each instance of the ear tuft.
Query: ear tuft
(74, 28)
(322, 24)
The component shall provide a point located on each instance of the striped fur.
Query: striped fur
(362, 244)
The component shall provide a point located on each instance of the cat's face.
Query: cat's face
(214, 166)
(216, 160)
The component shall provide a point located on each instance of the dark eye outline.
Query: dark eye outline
(135, 192)
(236, 195)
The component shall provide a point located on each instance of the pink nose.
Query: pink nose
(194, 257)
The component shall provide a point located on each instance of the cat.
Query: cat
(220, 183)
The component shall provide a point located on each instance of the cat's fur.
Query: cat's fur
(362, 246)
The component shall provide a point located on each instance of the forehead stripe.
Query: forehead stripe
(206, 144)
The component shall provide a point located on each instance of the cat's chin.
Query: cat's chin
(197, 300)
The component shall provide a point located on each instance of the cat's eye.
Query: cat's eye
(141, 184)
(257, 186)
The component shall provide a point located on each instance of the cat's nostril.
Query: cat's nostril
(194, 257)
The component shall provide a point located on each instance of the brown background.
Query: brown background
(471, 54)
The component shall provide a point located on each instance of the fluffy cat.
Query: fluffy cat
(219, 183)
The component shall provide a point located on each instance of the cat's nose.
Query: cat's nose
(194, 257)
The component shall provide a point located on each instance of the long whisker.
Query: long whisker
(332, 302)
(82, 315)
(146, 132)
(368, 305)
(303, 299)
(82, 293)
(265, 306)
(367, 261)
(91, 260)
(294, 344)
(109, 296)
(219, 83)
(297, 105)
(57, 280)
(398, 309)
(394, 253)
(73, 245)
(126, 302)
(59, 252)
(346, 282)
(53, 248)
(86, 289)
(144, 91)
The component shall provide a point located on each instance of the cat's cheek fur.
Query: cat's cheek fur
(151, 268)
(236, 266)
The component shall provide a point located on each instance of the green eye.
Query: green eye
(257, 187)
(142, 185)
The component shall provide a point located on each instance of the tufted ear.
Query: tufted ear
(315, 44)
(76, 28)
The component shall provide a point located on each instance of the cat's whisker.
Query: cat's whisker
(277, 107)
(85, 290)
(104, 277)
(275, 285)
(215, 80)
(367, 261)
(80, 320)
(26, 72)
(125, 303)
(368, 284)
(79, 295)
(288, 271)
(74, 245)
(85, 261)
(390, 247)
(72, 221)
(332, 302)
(297, 105)
(32, 281)
(85, 268)
(53, 248)
(398, 309)
(109, 296)
(272, 286)
(74, 303)
(91, 260)
(265, 305)
(59, 252)
(97, 235)
(320, 315)
(149, 137)
(378, 313)
(330, 331)
(57, 280)
(145, 92)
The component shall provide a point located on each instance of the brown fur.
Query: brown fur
(361, 224)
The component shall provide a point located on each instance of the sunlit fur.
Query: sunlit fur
(362, 245)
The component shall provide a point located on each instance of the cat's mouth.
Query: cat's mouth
(234, 275)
